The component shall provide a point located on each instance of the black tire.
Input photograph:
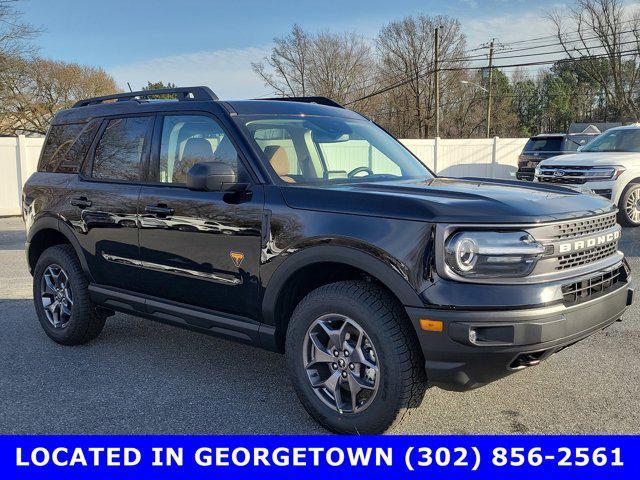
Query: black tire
(624, 217)
(402, 382)
(85, 322)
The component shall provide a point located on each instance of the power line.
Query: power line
(543, 62)
(427, 70)
(566, 34)
(581, 47)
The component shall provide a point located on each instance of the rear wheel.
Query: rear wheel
(356, 363)
(61, 297)
(629, 206)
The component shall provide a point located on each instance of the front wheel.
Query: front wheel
(629, 206)
(356, 363)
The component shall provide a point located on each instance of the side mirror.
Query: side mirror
(211, 176)
(579, 149)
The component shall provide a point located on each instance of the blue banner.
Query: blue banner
(277, 457)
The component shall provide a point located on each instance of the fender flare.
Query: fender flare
(620, 191)
(369, 264)
(53, 223)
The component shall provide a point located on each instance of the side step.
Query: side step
(231, 326)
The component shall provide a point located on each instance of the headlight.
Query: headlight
(492, 254)
(604, 173)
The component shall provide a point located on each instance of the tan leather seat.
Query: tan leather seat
(279, 160)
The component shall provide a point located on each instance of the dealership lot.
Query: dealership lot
(144, 377)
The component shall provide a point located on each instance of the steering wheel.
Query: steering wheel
(358, 170)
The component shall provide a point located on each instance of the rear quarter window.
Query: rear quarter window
(66, 146)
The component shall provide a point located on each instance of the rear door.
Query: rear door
(199, 248)
(104, 200)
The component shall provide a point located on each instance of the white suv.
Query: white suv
(609, 166)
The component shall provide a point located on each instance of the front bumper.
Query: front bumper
(526, 174)
(605, 188)
(508, 340)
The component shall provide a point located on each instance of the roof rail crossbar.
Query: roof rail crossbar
(318, 100)
(182, 94)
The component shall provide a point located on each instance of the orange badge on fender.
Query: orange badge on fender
(237, 257)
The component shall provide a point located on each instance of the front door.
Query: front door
(199, 248)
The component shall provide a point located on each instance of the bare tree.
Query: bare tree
(337, 66)
(407, 53)
(36, 89)
(286, 69)
(14, 33)
(607, 33)
(341, 65)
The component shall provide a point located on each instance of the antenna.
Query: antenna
(129, 85)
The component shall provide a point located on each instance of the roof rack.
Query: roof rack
(182, 93)
(319, 100)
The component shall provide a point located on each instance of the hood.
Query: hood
(450, 200)
(592, 158)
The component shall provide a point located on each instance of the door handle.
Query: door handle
(80, 202)
(160, 210)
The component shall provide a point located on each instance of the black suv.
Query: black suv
(545, 146)
(303, 227)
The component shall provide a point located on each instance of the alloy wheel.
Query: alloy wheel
(56, 296)
(632, 206)
(341, 363)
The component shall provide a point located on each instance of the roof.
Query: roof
(283, 107)
(627, 127)
(549, 135)
(592, 127)
(83, 114)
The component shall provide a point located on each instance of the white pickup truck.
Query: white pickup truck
(609, 166)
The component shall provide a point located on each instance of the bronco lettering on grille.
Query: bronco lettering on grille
(588, 242)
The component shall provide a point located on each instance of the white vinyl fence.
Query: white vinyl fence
(472, 157)
(490, 158)
(18, 160)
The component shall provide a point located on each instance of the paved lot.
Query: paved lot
(145, 377)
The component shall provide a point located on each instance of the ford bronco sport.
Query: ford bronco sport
(303, 227)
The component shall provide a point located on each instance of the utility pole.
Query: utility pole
(489, 88)
(437, 78)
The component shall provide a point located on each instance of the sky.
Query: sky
(212, 42)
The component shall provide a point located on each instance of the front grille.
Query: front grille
(561, 167)
(586, 256)
(568, 175)
(600, 283)
(584, 226)
(562, 180)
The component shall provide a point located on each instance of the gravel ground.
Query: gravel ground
(146, 377)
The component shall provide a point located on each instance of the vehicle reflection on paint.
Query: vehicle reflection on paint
(191, 224)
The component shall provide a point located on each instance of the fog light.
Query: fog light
(472, 336)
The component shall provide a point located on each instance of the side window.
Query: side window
(59, 140)
(119, 152)
(71, 161)
(190, 139)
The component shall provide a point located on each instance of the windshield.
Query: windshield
(326, 150)
(572, 142)
(623, 140)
